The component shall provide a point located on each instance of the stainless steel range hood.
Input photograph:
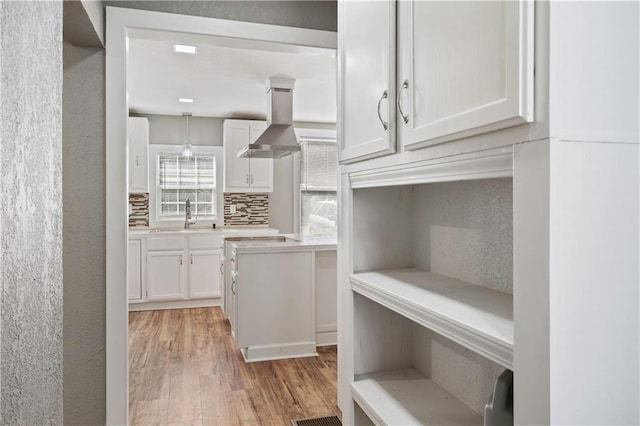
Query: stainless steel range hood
(279, 140)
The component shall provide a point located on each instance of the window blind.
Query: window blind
(318, 164)
(318, 186)
(195, 172)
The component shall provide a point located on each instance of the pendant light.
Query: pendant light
(187, 149)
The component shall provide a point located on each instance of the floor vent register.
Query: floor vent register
(318, 421)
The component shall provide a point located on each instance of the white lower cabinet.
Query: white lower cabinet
(165, 275)
(204, 273)
(134, 271)
(178, 272)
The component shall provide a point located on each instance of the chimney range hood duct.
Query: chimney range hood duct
(279, 140)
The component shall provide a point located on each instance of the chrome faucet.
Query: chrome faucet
(187, 214)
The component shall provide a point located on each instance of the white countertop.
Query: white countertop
(224, 231)
(294, 243)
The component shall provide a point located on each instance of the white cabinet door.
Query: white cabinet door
(204, 273)
(260, 169)
(245, 174)
(366, 70)
(138, 154)
(165, 276)
(134, 270)
(464, 68)
(236, 170)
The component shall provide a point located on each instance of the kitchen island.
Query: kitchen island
(284, 296)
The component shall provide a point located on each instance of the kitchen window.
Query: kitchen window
(180, 178)
(318, 186)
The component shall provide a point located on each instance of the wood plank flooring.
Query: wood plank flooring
(185, 369)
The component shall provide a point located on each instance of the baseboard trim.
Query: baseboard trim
(328, 338)
(273, 352)
(181, 304)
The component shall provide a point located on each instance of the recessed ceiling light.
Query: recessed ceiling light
(185, 48)
(186, 100)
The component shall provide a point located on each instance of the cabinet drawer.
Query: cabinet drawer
(165, 244)
(207, 243)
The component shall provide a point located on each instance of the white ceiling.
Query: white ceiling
(227, 78)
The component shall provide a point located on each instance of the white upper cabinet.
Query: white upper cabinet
(245, 174)
(138, 154)
(260, 169)
(464, 68)
(366, 70)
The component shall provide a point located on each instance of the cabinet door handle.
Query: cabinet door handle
(247, 179)
(222, 266)
(137, 163)
(251, 178)
(233, 283)
(385, 95)
(181, 260)
(405, 85)
(191, 259)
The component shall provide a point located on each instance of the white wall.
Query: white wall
(172, 130)
(282, 198)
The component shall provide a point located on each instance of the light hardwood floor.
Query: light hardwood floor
(184, 368)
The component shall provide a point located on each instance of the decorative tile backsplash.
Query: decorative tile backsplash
(251, 209)
(139, 208)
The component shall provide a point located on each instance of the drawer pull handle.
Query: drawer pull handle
(385, 95)
(405, 85)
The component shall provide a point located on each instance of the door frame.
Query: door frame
(120, 24)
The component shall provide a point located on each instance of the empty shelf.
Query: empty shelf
(406, 397)
(473, 316)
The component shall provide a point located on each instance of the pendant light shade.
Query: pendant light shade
(187, 149)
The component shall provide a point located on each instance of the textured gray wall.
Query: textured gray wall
(84, 186)
(31, 213)
(83, 194)
(464, 230)
(319, 15)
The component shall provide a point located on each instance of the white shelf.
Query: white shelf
(406, 397)
(473, 316)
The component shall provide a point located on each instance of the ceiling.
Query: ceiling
(227, 78)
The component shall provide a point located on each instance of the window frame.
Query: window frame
(154, 188)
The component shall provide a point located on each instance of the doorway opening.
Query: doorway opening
(124, 25)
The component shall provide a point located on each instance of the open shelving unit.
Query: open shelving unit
(406, 397)
(475, 317)
(431, 290)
